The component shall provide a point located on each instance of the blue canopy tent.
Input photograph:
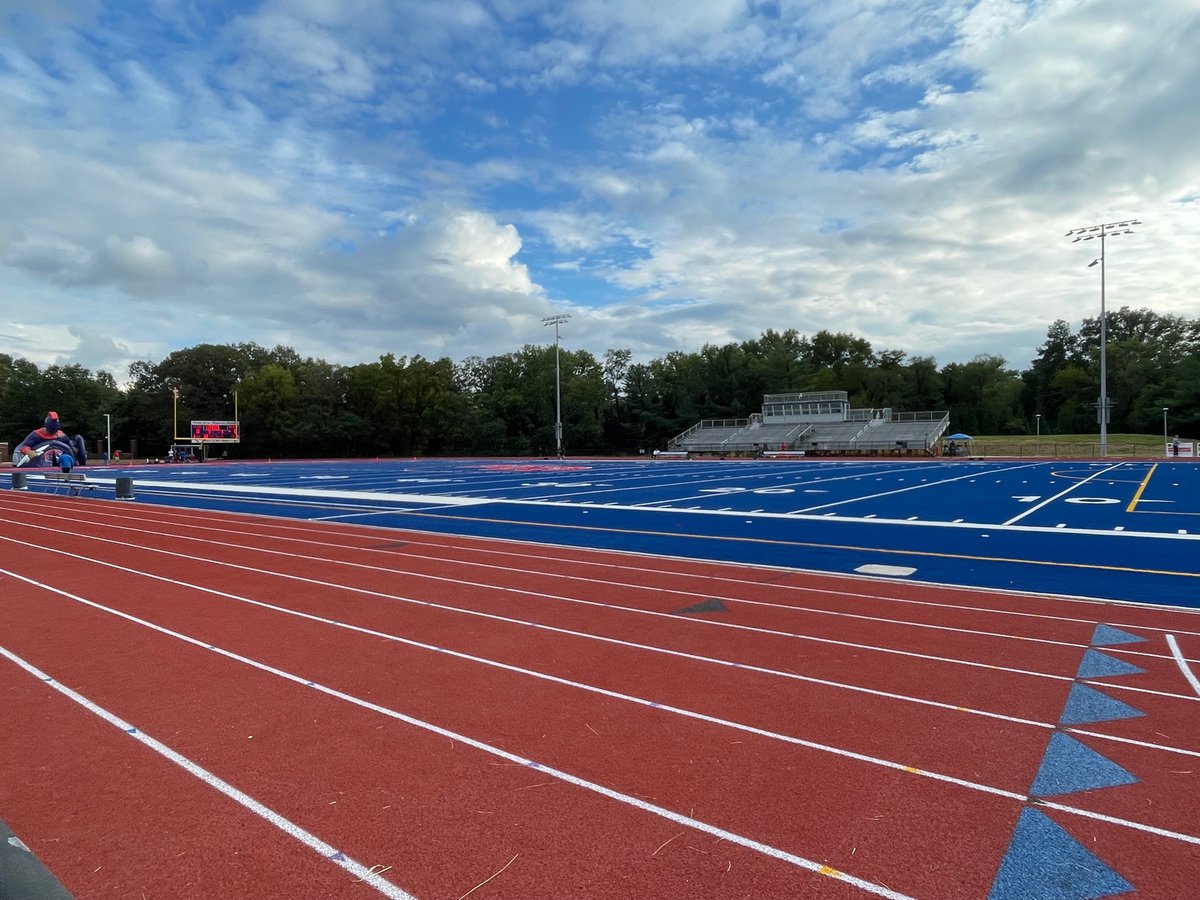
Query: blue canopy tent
(952, 448)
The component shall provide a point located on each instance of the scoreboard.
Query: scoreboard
(213, 432)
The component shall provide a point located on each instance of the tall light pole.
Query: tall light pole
(1089, 233)
(1038, 416)
(175, 418)
(1166, 452)
(556, 321)
(108, 437)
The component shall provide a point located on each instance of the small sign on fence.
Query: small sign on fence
(1181, 450)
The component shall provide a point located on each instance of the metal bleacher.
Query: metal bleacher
(774, 436)
(708, 436)
(817, 423)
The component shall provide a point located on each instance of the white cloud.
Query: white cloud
(354, 178)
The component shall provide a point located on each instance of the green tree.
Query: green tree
(983, 396)
(269, 409)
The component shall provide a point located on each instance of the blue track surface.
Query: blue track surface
(1119, 530)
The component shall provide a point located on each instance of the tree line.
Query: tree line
(293, 406)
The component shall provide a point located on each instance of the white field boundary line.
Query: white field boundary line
(576, 781)
(1061, 494)
(258, 490)
(677, 654)
(338, 586)
(288, 827)
(352, 510)
(433, 501)
(609, 792)
(1183, 666)
(437, 540)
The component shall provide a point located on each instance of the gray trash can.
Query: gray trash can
(124, 488)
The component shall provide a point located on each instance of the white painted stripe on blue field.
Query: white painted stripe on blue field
(1061, 494)
(449, 500)
(287, 826)
(340, 859)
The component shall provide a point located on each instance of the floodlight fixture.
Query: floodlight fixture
(1087, 233)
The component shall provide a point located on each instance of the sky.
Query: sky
(352, 178)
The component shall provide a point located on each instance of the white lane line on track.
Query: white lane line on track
(576, 781)
(1183, 666)
(288, 827)
(427, 539)
(554, 629)
(142, 529)
(837, 751)
(710, 623)
(529, 624)
(678, 654)
(581, 783)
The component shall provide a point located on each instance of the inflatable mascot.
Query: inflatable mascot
(48, 445)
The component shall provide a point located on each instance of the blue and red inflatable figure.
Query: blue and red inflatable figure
(48, 445)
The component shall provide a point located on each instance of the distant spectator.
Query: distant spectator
(1175, 446)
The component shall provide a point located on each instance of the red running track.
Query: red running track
(455, 716)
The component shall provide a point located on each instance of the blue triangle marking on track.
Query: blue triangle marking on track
(1043, 862)
(1100, 665)
(1070, 765)
(1086, 704)
(1106, 636)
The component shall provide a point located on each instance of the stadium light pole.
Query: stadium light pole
(1166, 452)
(108, 436)
(1038, 416)
(557, 321)
(175, 414)
(1089, 233)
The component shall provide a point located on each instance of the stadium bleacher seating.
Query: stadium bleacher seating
(818, 423)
